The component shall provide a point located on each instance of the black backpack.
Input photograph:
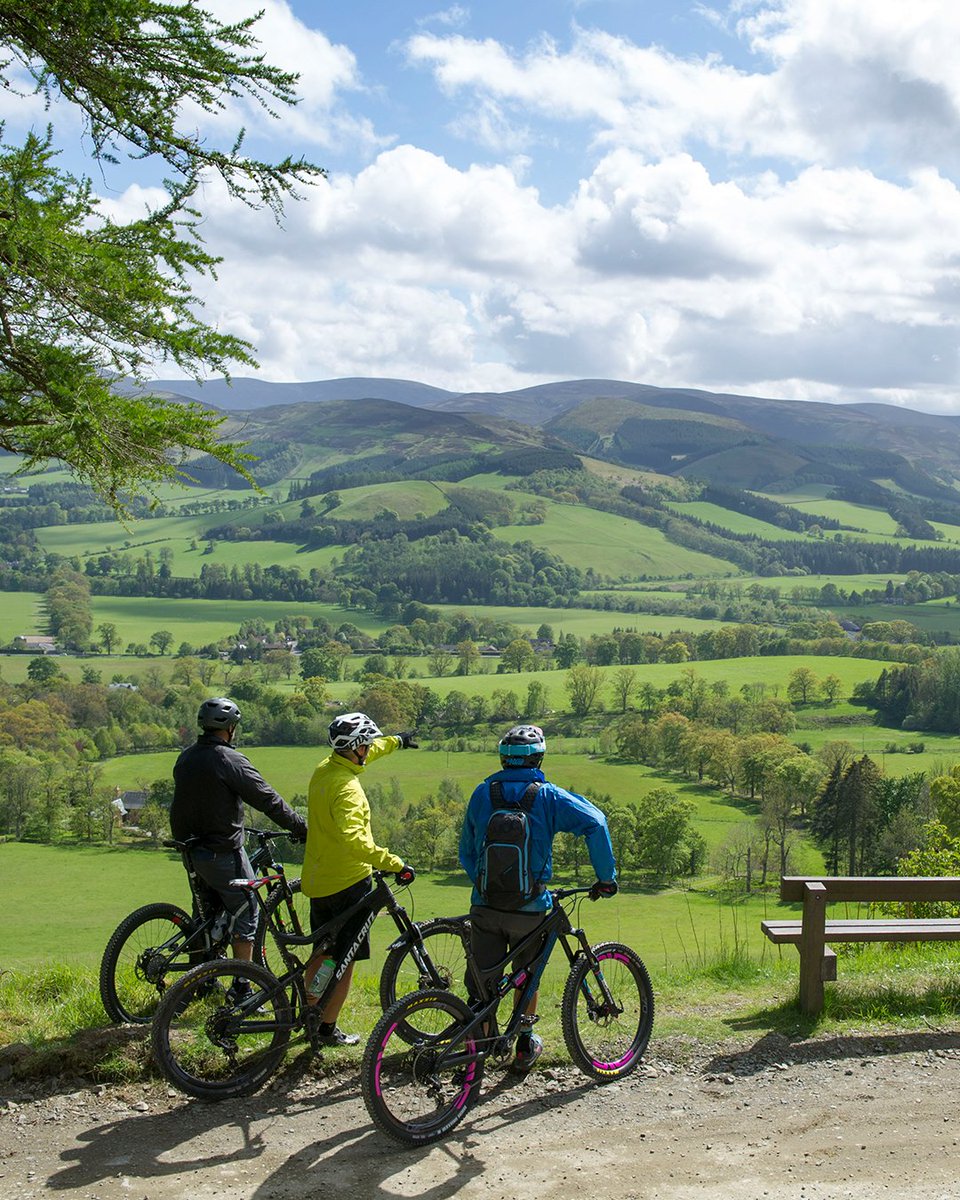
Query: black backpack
(506, 880)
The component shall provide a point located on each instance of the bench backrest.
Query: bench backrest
(880, 887)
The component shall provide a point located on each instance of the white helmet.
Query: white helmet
(351, 730)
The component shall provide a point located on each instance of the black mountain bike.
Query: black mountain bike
(222, 1029)
(159, 942)
(423, 1065)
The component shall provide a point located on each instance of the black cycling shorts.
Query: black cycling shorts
(325, 908)
(493, 933)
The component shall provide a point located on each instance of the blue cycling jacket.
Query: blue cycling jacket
(556, 811)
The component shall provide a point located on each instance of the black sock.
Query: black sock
(326, 1027)
(524, 1041)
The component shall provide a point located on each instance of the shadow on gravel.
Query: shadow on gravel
(369, 1164)
(150, 1146)
(234, 1134)
(774, 1049)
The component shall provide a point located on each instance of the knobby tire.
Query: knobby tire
(607, 1045)
(446, 943)
(208, 1044)
(265, 949)
(411, 1096)
(130, 987)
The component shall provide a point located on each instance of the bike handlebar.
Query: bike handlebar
(563, 893)
(267, 835)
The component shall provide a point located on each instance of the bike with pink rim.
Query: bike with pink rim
(424, 1063)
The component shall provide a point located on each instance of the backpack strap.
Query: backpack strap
(498, 800)
(526, 801)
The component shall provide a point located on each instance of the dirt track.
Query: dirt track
(812, 1120)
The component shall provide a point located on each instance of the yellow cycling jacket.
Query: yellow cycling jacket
(340, 847)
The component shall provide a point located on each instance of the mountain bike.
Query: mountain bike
(417, 1090)
(222, 1029)
(161, 941)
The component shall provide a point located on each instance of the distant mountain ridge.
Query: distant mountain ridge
(245, 393)
(732, 440)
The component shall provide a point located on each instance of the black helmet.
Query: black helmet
(350, 730)
(219, 713)
(522, 746)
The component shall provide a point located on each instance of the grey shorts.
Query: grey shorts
(216, 869)
(493, 933)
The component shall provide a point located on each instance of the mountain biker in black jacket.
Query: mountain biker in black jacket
(212, 782)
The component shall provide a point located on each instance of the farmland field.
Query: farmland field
(771, 671)
(289, 769)
(21, 613)
(202, 621)
(736, 522)
(579, 621)
(611, 545)
(851, 516)
(737, 584)
(931, 617)
(186, 538)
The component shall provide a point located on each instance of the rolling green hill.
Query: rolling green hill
(615, 485)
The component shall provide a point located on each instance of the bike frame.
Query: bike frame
(197, 939)
(379, 899)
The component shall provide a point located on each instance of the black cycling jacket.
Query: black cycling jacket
(212, 782)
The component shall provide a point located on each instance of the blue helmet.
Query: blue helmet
(522, 746)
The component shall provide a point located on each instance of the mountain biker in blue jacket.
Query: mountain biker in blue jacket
(554, 810)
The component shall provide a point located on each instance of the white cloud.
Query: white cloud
(651, 271)
(453, 17)
(812, 250)
(834, 79)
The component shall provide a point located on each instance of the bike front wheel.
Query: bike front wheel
(145, 952)
(607, 1011)
(440, 962)
(222, 1030)
(416, 1093)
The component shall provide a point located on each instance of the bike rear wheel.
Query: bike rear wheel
(144, 953)
(291, 915)
(411, 1093)
(211, 1042)
(441, 963)
(604, 1041)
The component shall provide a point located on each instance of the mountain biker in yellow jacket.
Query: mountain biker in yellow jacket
(340, 851)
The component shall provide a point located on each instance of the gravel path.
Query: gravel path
(820, 1119)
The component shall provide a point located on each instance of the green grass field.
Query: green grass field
(668, 927)
(582, 622)
(851, 516)
(21, 613)
(772, 671)
(736, 522)
(613, 546)
(201, 621)
(738, 584)
(186, 538)
(932, 617)
(289, 769)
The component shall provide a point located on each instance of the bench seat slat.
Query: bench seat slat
(882, 929)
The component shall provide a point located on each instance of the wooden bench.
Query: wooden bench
(813, 933)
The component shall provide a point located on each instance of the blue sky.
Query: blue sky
(758, 196)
